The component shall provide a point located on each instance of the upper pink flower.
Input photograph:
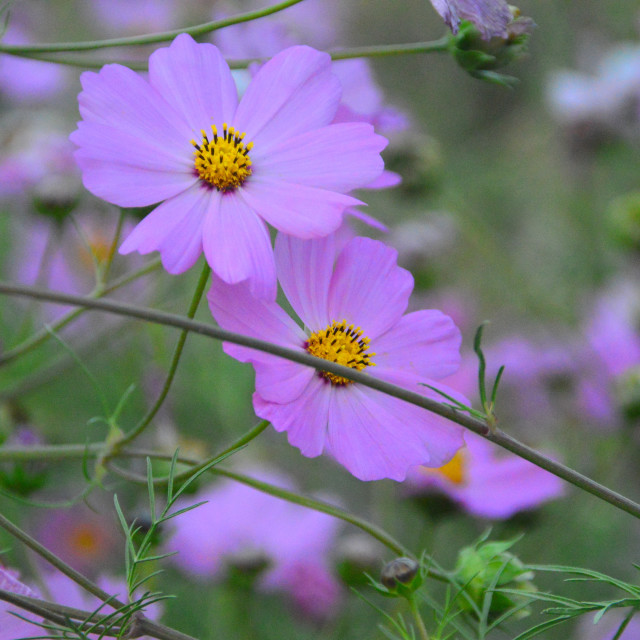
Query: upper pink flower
(353, 314)
(223, 167)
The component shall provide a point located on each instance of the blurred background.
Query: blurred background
(518, 206)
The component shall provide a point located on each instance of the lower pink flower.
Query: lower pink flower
(352, 312)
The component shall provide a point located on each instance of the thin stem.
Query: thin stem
(54, 612)
(44, 334)
(310, 503)
(103, 274)
(193, 307)
(413, 605)
(61, 615)
(78, 578)
(152, 38)
(302, 357)
(377, 51)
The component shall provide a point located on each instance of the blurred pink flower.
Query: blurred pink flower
(277, 157)
(86, 540)
(353, 311)
(239, 524)
(29, 81)
(12, 627)
(487, 484)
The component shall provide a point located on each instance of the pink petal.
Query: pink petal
(174, 228)
(121, 98)
(304, 270)
(385, 180)
(367, 219)
(236, 309)
(195, 80)
(424, 343)
(304, 419)
(304, 212)
(237, 244)
(127, 184)
(292, 93)
(340, 157)
(376, 436)
(368, 288)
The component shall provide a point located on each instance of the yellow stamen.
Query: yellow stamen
(223, 162)
(343, 344)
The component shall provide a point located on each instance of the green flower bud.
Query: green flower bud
(481, 57)
(487, 566)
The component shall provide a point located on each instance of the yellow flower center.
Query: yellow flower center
(223, 162)
(455, 471)
(343, 344)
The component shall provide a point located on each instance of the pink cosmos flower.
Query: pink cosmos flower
(222, 167)
(239, 524)
(353, 314)
(487, 484)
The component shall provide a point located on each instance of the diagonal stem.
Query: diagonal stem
(302, 357)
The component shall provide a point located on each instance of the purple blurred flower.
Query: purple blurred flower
(606, 101)
(239, 524)
(607, 626)
(612, 353)
(351, 309)
(282, 161)
(31, 152)
(23, 80)
(134, 16)
(12, 627)
(86, 540)
(490, 17)
(486, 484)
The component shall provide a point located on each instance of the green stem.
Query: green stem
(152, 38)
(413, 605)
(44, 334)
(310, 503)
(78, 578)
(103, 272)
(60, 614)
(302, 357)
(146, 420)
(378, 51)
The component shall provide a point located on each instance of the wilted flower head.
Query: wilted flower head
(284, 546)
(221, 167)
(351, 304)
(490, 17)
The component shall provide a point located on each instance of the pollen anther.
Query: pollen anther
(223, 162)
(347, 346)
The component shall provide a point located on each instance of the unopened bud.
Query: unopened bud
(56, 196)
(401, 571)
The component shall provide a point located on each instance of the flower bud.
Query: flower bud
(56, 196)
(480, 55)
(485, 567)
(400, 572)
